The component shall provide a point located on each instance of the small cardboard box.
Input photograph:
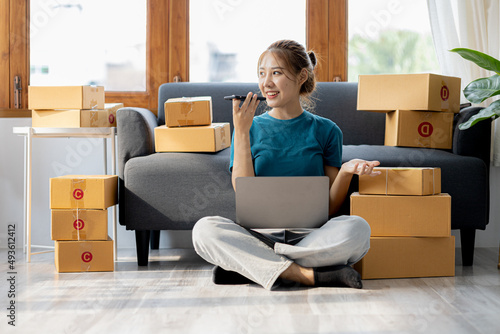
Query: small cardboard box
(401, 181)
(209, 138)
(411, 128)
(65, 97)
(404, 216)
(188, 111)
(425, 91)
(78, 256)
(393, 257)
(83, 191)
(76, 118)
(79, 225)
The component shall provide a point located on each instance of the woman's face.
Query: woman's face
(277, 84)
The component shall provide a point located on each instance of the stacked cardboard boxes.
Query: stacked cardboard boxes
(79, 224)
(410, 220)
(420, 107)
(189, 128)
(71, 107)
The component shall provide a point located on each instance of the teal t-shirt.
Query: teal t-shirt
(301, 146)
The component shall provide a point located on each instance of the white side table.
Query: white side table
(29, 133)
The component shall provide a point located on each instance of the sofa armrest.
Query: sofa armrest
(475, 141)
(135, 127)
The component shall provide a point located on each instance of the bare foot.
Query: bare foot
(299, 274)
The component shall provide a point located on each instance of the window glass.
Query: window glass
(389, 37)
(81, 42)
(228, 36)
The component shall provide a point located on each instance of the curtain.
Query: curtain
(472, 24)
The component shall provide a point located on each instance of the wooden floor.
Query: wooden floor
(175, 295)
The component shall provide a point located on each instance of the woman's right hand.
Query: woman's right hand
(243, 116)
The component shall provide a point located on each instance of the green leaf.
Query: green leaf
(493, 110)
(480, 59)
(481, 89)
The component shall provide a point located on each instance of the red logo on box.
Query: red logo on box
(78, 193)
(425, 129)
(78, 224)
(87, 257)
(111, 118)
(445, 93)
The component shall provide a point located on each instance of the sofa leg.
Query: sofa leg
(467, 239)
(142, 245)
(155, 239)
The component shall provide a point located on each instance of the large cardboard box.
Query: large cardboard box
(409, 92)
(79, 224)
(188, 111)
(393, 257)
(78, 256)
(76, 118)
(411, 128)
(65, 97)
(209, 138)
(83, 191)
(404, 216)
(401, 181)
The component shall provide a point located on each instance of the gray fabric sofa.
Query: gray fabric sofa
(171, 191)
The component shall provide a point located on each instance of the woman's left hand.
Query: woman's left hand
(360, 167)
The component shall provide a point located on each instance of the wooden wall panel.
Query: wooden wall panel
(337, 40)
(19, 48)
(317, 35)
(4, 54)
(327, 36)
(179, 40)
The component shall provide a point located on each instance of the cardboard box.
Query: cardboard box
(209, 138)
(404, 216)
(83, 191)
(79, 224)
(401, 181)
(188, 111)
(65, 97)
(76, 118)
(419, 129)
(393, 257)
(78, 256)
(425, 91)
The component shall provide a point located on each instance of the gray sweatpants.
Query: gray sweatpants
(341, 240)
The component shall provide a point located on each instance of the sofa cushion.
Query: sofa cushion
(177, 189)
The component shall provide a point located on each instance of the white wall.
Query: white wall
(56, 156)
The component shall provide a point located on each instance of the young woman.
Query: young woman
(287, 141)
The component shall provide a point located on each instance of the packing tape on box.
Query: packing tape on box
(94, 118)
(399, 169)
(78, 190)
(386, 182)
(186, 109)
(433, 182)
(183, 122)
(79, 231)
(223, 136)
(93, 104)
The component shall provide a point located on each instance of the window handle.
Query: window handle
(17, 92)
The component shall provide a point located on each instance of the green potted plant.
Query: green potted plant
(481, 89)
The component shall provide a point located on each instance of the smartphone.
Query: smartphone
(242, 97)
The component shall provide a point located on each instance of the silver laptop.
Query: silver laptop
(282, 202)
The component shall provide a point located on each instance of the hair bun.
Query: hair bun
(312, 57)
